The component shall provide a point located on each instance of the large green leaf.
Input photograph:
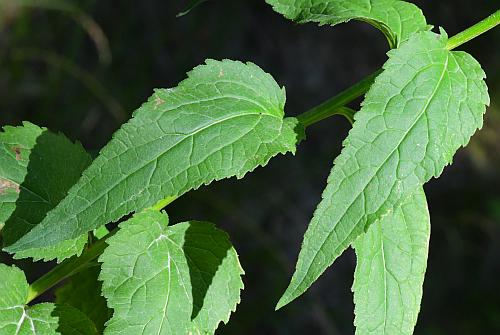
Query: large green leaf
(398, 20)
(425, 105)
(37, 168)
(224, 120)
(169, 280)
(83, 291)
(16, 318)
(392, 258)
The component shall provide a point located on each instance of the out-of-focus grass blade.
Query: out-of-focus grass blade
(192, 4)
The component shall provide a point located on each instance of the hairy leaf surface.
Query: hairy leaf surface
(42, 319)
(169, 280)
(425, 105)
(37, 168)
(398, 20)
(83, 291)
(390, 269)
(224, 120)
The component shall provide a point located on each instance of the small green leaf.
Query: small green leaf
(83, 291)
(37, 168)
(15, 316)
(169, 280)
(41, 319)
(224, 120)
(426, 104)
(398, 20)
(390, 270)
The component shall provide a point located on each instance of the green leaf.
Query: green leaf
(398, 20)
(41, 319)
(391, 263)
(224, 120)
(425, 105)
(73, 322)
(169, 280)
(15, 316)
(83, 291)
(37, 168)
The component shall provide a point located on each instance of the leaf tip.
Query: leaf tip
(286, 298)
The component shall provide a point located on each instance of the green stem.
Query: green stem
(335, 105)
(66, 269)
(474, 31)
(75, 264)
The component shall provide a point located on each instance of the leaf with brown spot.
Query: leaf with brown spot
(6, 185)
(37, 168)
(17, 151)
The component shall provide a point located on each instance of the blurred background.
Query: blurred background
(81, 67)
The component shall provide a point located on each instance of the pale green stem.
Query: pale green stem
(474, 31)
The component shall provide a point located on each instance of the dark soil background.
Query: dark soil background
(52, 74)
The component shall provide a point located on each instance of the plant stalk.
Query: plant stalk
(474, 31)
(66, 269)
(335, 105)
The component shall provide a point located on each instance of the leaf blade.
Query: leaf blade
(398, 20)
(176, 263)
(37, 168)
(224, 120)
(15, 316)
(392, 258)
(417, 114)
(83, 291)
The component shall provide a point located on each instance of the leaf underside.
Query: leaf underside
(83, 291)
(37, 168)
(425, 105)
(41, 319)
(390, 269)
(162, 279)
(224, 120)
(398, 20)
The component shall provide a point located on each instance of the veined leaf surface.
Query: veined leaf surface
(224, 120)
(41, 319)
(425, 105)
(398, 20)
(83, 291)
(37, 168)
(162, 279)
(390, 269)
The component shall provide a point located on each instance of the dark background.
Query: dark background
(52, 74)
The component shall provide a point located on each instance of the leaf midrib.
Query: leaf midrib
(162, 153)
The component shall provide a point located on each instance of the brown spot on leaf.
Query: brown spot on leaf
(6, 185)
(158, 101)
(17, 151)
